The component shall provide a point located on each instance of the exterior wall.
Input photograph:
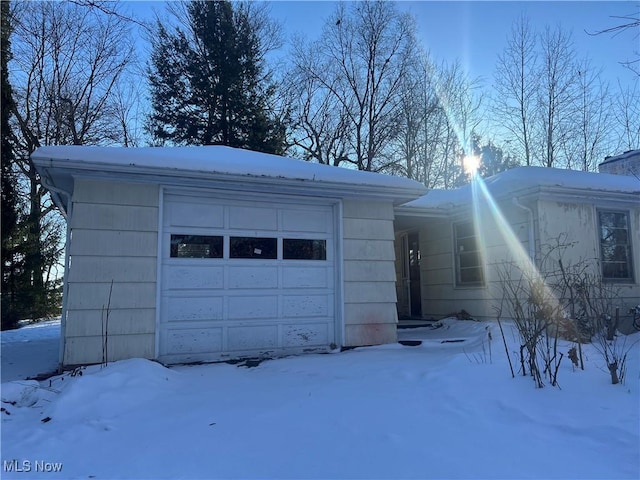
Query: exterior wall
(573, 224)
(441, 296)
(625, 164)
(114, 238)
(370, 315)
(578, 222)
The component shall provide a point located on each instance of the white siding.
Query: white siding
(440, 294)
(369, 276)
(572, 223)
(577, 224)
(114, 236)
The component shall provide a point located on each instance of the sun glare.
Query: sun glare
(483, 202)
(471, 164)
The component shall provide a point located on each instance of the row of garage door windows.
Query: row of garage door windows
(212, 246)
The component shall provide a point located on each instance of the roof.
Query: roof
(208, 166)
(525, 180)
(623, 156)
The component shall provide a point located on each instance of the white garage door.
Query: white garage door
(245, 278)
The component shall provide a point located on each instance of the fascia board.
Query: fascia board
(563, 194)
(422, 212)
(573, 195)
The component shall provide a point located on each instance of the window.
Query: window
(469, 269)
(297, 249)
(615, 245)
(252, 247)
(196, 246)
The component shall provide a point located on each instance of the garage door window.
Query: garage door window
(196, 246)
(302, 249)
(251, 247)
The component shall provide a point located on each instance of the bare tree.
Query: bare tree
(556, 94)
(515, 85)
(627, 116)
(320, 121)
(626, 23)
(129, 110)
(438, 118)
(67, 62)
(589, 143)
(422, 121)
(360, 61)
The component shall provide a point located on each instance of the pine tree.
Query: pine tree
(209, 85)
(10, 211)
(494, 160)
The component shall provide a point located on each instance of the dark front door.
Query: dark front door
(414, 274)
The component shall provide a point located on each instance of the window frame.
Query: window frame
(629, 246)
(318, 245)
(255, 256)
(217, 238)
(315, 249)
(458, 282)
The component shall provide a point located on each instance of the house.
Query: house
(452, 245)
(194, 254)
(627, 163)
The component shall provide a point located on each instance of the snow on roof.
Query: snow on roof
(623, 156)
(527, 178)
(213, 160)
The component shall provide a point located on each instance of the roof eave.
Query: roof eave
(557, 193)
(207, 179)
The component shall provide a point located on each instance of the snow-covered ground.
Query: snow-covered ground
(447, 408)
(30, 351)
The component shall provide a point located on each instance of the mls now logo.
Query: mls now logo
(28, 466)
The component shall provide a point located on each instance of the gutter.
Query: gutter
(66, 213)
(398, 193)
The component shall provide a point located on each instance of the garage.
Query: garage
(244, 277)
(212, 253)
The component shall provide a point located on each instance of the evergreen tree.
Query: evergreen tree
(209, 84)
(10, 210)
(494, 160)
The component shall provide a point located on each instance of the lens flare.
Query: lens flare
(485, 205)
(471, 164)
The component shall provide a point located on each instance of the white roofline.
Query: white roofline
(219, 167)
(622, 156)
(569, 185)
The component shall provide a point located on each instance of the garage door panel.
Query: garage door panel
(238, 305)
(193, 308)
(248, 307)
(252, 277)
(192, 277)
(252, 338)
(307, 277)
(318, 221)
(306, 305)
(253, 218)
(192, 340)
(301, 335)
(188, 214)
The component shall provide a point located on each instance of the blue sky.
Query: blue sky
(476, 32)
